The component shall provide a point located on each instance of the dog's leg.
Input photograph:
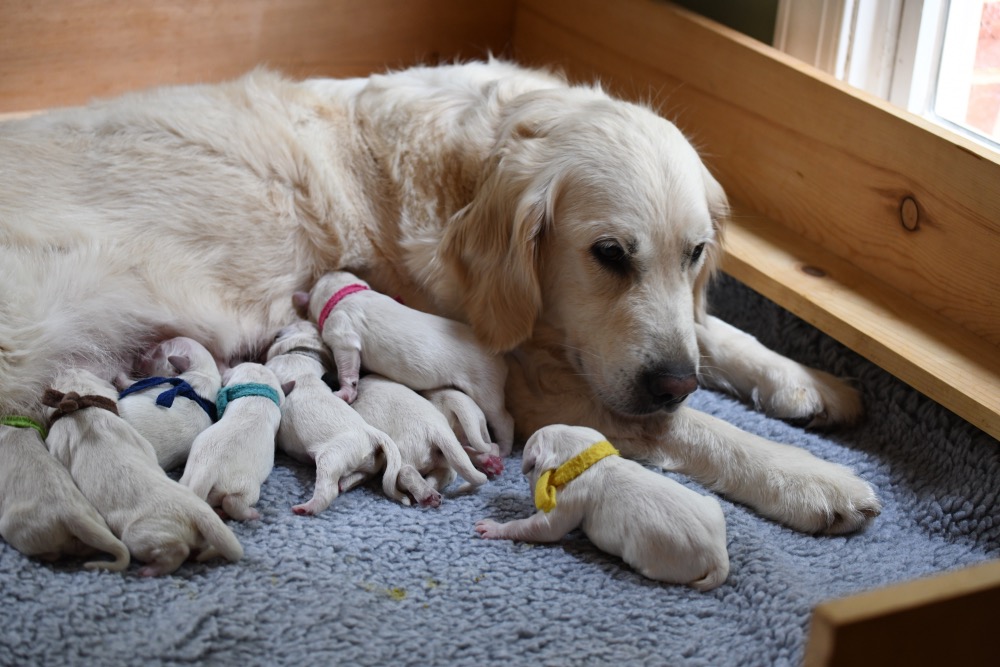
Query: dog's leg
(238, 506)
(330, 469)
(784, 483)
(459, 460)
(735, 362)
(539, 527)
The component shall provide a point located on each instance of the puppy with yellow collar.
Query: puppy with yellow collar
(662, 529)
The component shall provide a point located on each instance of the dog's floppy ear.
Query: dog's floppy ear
(718, 206)
(180, 363)
(491, 245)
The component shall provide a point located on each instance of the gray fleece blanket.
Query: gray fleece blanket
(369, 582)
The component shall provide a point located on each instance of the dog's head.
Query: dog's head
(301, 333)
(596, 219)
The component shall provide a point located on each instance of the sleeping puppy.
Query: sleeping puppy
(42, 513)
(160, 521)
(662, 529)
(231, 459)
(318, 427)
(469, 424)
(430, 451)
(176, 368)
(420, 350)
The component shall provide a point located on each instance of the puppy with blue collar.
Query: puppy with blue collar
(662, 529)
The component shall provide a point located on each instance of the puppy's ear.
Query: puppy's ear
(181, 364)
(491, 245)
(288, 386)
(300, 302)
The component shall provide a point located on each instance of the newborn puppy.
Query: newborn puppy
(469, 424)
(420, 350)
(42, 513)
(317, 426)
(231, 458)
(425, 440)
(160, 521)
(661, 528)
(178, 368)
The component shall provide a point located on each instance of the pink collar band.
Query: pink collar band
(335, 299)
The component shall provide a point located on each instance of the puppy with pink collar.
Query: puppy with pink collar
(365, 329)
(232, 458)
(662, 529)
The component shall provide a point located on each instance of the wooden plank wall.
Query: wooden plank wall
(64, 52)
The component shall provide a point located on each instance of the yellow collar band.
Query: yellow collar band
(550, 480)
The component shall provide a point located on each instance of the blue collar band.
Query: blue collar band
(166, 399)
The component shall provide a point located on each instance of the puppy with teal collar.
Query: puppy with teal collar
(662, 529)
(230, 460)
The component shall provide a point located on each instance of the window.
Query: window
(935, 58)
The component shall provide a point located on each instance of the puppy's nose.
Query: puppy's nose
(668, 387)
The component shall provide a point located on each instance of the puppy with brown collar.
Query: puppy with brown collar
(42, 513)
(430, 451)
(318, 427)
(231, 458)
(662, 529)
(160, 521)
(422, 351)
(179, 368)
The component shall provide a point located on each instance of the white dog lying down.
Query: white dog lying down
(318, 427)
(431, 452)
(571, 229)
(366, 329)
(232, 458)
(664, 530)
(42, 513)
(177, 368)
(160, 521)
(469, 424)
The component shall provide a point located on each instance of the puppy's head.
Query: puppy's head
(597, 220)
(326, 287)
(301, 333)
(551, 446)
(177, 355)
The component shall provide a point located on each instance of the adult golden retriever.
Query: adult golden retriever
(573, 231)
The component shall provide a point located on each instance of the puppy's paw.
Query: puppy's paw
(491, 465)
(489, 529)
(432, 499)
(347, 394)
(806, 396)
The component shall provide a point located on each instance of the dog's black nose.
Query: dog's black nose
(668, 387)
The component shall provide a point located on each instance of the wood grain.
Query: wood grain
(65, 52)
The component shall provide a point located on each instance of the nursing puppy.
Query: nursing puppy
(171, 425)
(318, 427)
(430, 451)
(662, 529)
(42, 513)
(231, 459)
(115, 468)
(369, 330)
(469, 424)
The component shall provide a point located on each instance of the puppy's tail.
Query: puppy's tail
(219, 537)
(459, 459)
(97, 535)
(393, 464)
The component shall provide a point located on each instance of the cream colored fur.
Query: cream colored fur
(482, 192)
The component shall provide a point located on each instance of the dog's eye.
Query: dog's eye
(611, 255)
(696, 253)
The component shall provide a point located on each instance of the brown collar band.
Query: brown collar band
(72, 401)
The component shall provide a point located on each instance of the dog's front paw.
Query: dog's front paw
(816, 496)
(806, 396)
(347, 394)
(432, 499)
(489, 529)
